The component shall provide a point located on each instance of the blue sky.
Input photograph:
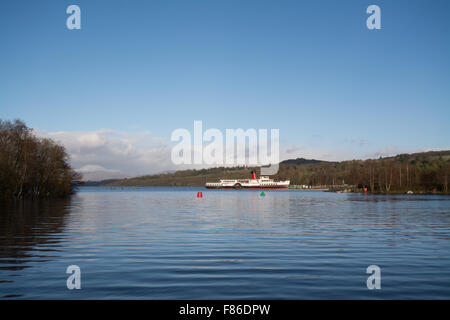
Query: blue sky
(310, 68)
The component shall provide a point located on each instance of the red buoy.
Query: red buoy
(199, 195)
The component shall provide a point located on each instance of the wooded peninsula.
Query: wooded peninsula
(32, 167)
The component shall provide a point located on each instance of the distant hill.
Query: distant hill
(300, 161)
(420, 172)
(97, 183)
(186, 177)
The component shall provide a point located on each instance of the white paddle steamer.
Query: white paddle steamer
(263, 182)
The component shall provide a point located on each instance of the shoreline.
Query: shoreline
(285, 189)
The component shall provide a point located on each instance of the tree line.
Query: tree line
(31, 166)
(419, 172)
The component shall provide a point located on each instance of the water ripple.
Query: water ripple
(164, 243)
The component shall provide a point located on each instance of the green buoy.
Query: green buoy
(262, 194)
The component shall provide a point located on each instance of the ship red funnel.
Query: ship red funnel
(253, 175)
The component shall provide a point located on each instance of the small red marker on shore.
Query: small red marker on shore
(199, 195)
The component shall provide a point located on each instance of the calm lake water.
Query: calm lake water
(164, 243)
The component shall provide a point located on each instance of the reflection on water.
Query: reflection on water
(29, 235)
(164, 243)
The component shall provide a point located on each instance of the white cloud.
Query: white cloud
(108, 154)
(105, 154)
(96, 172)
